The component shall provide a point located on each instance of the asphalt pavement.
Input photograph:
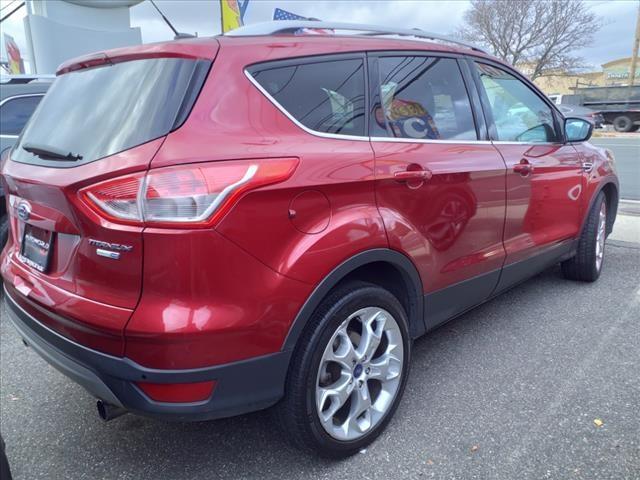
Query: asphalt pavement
(511, 390)
(626, 150)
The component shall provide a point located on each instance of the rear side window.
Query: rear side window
(104, 110)
(15, 113)
(518, 113)
(422, 98)
(324, 96)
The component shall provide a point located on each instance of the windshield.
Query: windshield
(104, 110)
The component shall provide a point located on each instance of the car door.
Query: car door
(439, 182)
(544, 179)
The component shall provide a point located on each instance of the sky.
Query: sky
(613, 41)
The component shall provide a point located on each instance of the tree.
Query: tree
(540, 35)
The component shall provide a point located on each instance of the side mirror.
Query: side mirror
(577, 130)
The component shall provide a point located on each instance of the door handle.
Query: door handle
(409, 175)
(524, 168)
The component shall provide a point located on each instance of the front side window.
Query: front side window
(15, 112)
(518, 113)
(325, 96)
(422, 98)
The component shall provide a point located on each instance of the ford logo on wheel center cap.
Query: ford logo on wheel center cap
(24, 210)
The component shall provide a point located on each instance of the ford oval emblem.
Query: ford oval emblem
(24, 210)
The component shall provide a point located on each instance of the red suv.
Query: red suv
(208, 227)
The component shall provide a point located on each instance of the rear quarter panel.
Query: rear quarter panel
(303, 238)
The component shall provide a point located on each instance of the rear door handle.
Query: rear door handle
(524, 168)
(408, 175)
(587, 166)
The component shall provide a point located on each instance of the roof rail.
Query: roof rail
(290, 26)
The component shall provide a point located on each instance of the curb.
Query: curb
(629, 207)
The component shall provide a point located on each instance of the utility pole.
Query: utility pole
(634, 56)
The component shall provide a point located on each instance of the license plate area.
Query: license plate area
(36, 247)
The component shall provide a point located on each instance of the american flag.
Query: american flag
(279, 14)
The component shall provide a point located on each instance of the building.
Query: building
(615, 72)
(58, 31)
(565, 83)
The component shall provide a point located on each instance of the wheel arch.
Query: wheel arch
(611, 193)
(609, 186)
(384, 267)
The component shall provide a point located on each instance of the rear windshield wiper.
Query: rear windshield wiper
(49, 152)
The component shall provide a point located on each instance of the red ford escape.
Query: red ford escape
(208, 227)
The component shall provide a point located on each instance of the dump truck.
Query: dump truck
(619, 105)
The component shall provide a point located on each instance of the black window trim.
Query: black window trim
(14, 97)
(322, 58)
(486, 107)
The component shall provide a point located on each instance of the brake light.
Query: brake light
(195, 195)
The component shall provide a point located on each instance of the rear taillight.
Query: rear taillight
(196, 195)
(117, 199)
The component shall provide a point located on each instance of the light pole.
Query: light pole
(634, 56)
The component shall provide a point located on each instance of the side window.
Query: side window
(422, 98)
(15, 112)
(327, 96)
(519, 114)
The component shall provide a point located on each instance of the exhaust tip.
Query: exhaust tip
(107, 412)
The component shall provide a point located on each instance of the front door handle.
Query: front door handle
(524, 168)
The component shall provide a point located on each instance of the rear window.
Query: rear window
(325, 96)
(101, 111)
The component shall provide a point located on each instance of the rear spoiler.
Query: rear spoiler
(192, 48)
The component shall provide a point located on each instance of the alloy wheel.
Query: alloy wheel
(601, 235)
(359, 374)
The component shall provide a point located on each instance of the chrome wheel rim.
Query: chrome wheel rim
(601, 236)
(359, 373)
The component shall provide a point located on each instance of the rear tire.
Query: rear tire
(348, 372)
(589, 259)
(622, 123)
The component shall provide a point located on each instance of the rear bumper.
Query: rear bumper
(241, 387)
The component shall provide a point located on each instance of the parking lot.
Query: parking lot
(510, 390)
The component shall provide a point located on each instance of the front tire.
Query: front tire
(587, 263)
(348, 372)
